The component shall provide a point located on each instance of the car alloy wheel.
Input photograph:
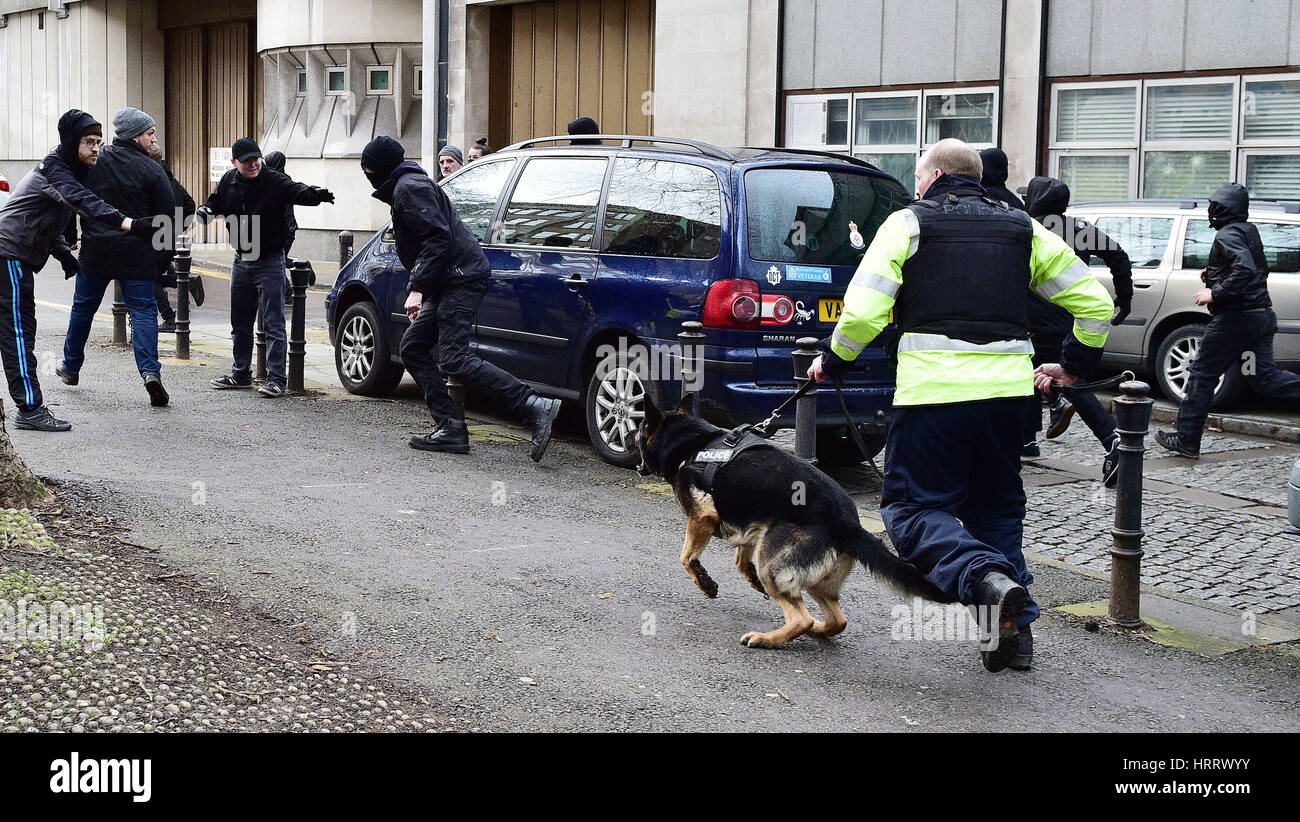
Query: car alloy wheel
(1178, 366)
(357, 346)
(620, 407)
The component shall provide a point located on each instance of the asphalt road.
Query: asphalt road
(549, 597)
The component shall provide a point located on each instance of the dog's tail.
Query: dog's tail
(887, 567)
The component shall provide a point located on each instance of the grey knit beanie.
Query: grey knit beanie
(130, 122)
(453, 152)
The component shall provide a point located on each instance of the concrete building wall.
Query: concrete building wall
(715, 70)
(1122, 37)
(284, 23)
(105, 54)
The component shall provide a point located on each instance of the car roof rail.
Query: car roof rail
(627, 140)
(848, 158)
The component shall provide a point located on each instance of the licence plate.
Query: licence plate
(828, 310)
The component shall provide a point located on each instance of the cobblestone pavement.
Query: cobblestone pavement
(1216, 528)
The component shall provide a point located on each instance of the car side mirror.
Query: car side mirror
(388, 237)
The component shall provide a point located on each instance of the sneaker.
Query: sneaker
(271, 389)
(229, 381)
(452, 437)
(540, 415)
(1023, 659)
(40, 419)
(1001, 599)
(68, 377)
(157, 394)
(167, 327)
(1031, 449)
(196, 288)
(1059, 416)
(1170, 440)
(1110, 465)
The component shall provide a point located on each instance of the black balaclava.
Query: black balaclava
(1229, 204)
(382, 156)
(275, 160)
(73, 125)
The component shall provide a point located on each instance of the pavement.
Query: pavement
(514, 596)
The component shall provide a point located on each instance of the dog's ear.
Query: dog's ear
(687, 405)
(653, 416)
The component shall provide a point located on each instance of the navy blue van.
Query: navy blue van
(599, 253)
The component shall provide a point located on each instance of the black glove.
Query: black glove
(68, 260)
(204, 214)
(143, 228)
(323, 195)
(1123, 309)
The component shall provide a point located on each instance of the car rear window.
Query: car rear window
(801, 215)
(1281, 245)
(1144, 239)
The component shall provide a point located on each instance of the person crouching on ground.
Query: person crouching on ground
(449, 277)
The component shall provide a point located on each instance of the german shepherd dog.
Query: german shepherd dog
(794, 528)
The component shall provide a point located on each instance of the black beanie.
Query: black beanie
(382, 155)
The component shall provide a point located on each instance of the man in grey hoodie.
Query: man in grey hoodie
(32, 227)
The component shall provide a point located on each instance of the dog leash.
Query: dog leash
(809, 385)
(1077, 388)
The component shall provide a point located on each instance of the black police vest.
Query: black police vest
(970, 276)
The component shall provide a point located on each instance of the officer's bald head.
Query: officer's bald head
(948, 156)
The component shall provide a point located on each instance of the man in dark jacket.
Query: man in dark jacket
(167, 277)
(252, 198)
(449, 276)
(1046, 200)
(126, 178)
(32, 226)
(1242, 324)
(276, 160)
(994, 178)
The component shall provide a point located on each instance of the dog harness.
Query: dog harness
(720, 451)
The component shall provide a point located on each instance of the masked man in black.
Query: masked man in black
(449, 277)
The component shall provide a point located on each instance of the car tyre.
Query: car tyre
(615, 406)
(1173, 368)
(363, 354)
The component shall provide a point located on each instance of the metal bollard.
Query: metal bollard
(183, 261)
(345, 247)
(300, 276)
(805, 408)
(119, 316)
(259, 344)
(456, 390)
(691, 340)
(1132, 415)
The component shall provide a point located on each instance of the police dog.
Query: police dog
(793, 527)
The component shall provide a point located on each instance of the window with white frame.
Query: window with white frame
(891, 129)
(379, 79)
(336, 80)
(302, 83)
(1177, 138)
(419, 80)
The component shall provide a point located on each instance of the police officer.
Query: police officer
(1236, 294)
(449, 277)
(957, 267)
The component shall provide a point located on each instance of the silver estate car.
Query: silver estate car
(1169, 242)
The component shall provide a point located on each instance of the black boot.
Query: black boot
(157, 394)
(1024, 656)
(540, 414)
(451, 437)
(1001, 599)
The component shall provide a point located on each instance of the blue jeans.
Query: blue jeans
(258, 286)
(953, 501)
(140, 304)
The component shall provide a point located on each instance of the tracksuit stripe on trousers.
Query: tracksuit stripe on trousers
(17, 346)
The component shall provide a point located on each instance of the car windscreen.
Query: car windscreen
(802, 215)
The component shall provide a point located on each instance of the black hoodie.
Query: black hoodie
(1046, 199)
(995, 177)
(432, 241)
(1236, 272)
(33, 220)
(276, 161)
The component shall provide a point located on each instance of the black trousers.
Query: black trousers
(18, 337)
(165, 309)
(1242, 339)
(445, 323)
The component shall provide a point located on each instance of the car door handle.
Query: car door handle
(575, 282)
(1143, 283)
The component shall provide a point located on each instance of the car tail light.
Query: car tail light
(733, 304)
(778, 309)
(4, 185)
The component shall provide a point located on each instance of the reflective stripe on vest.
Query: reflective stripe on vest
(938, 342)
